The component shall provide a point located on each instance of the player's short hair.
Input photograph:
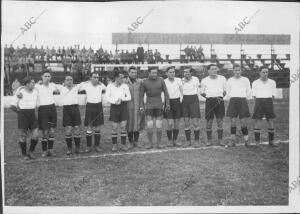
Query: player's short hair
(236, 65)
(46, 71)
(116, 74)
(211, 65)
(68, 75)
(263, 67)
(152, 68)
(132, 67)
(170, 67)
(92, 73)
(189, 68)
(27, 79)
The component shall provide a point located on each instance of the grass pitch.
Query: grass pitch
(212, 176)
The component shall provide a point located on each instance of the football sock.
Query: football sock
(233, 130)
(68, 139)
(257, 135)
(51, 142)
(89, 138)
(136, 136)
(187, 134)
(77, 142)
(150, 135)
(220, 134)
(123, 138)
(209, 134)
(175, 134)
(114, 138)
(271, 134)
(159, 135)
(130, 136)
(23, 147)
(169, 134)
(197, 133)
(97, 137)
(33, 144)
(245, 132)
(44, 144)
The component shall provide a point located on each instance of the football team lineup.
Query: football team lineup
(130, 112)
(152, 104)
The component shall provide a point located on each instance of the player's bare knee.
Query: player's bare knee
(150, 124)
(186, 122)
(77, 131)
(244, 122)
(220, 122)
(270, 123)
(68, 130)
(123, 126)
(233, 121)
(170, 124)
(114, 127)
(23, 135)
(45, 133)
(158, 123)
(176, 124)
(209, 124)
(35, 134)
(196, 123)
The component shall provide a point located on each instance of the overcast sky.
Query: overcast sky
(69, 23)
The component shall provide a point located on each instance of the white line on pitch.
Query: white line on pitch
(134, 153)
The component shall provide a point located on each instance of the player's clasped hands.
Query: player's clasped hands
(119, 101)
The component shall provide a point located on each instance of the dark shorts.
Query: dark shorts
(118, 113)
(94, 114)
(263, 107)
(27, 119)
(47, 117)
(190, 106)
(175, 109)
(71, 116)
(154, 112)
(214, 106)
(238, 107)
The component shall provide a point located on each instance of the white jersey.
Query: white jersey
(261, 89)
(93, 93)
(213, 87)
(113, 93)
(29, 99)
(238, 87)
(190, 87)
(174, 88)
(46, 96)
(69, 96)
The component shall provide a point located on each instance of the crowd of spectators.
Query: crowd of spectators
(26, 57)
(193, 53)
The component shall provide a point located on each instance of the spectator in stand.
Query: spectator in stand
(200, 55)
(15, 85)
(146, 56)
(150, 57)
(188, 53)
(127, 57)
(6, 53)
(157, 56)
(30, 63)
(117, 57)
(193, 53)
(140, 54)
(53, 54)
(134, 56)
(122, 57)
(111, 57)
(63, 51)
